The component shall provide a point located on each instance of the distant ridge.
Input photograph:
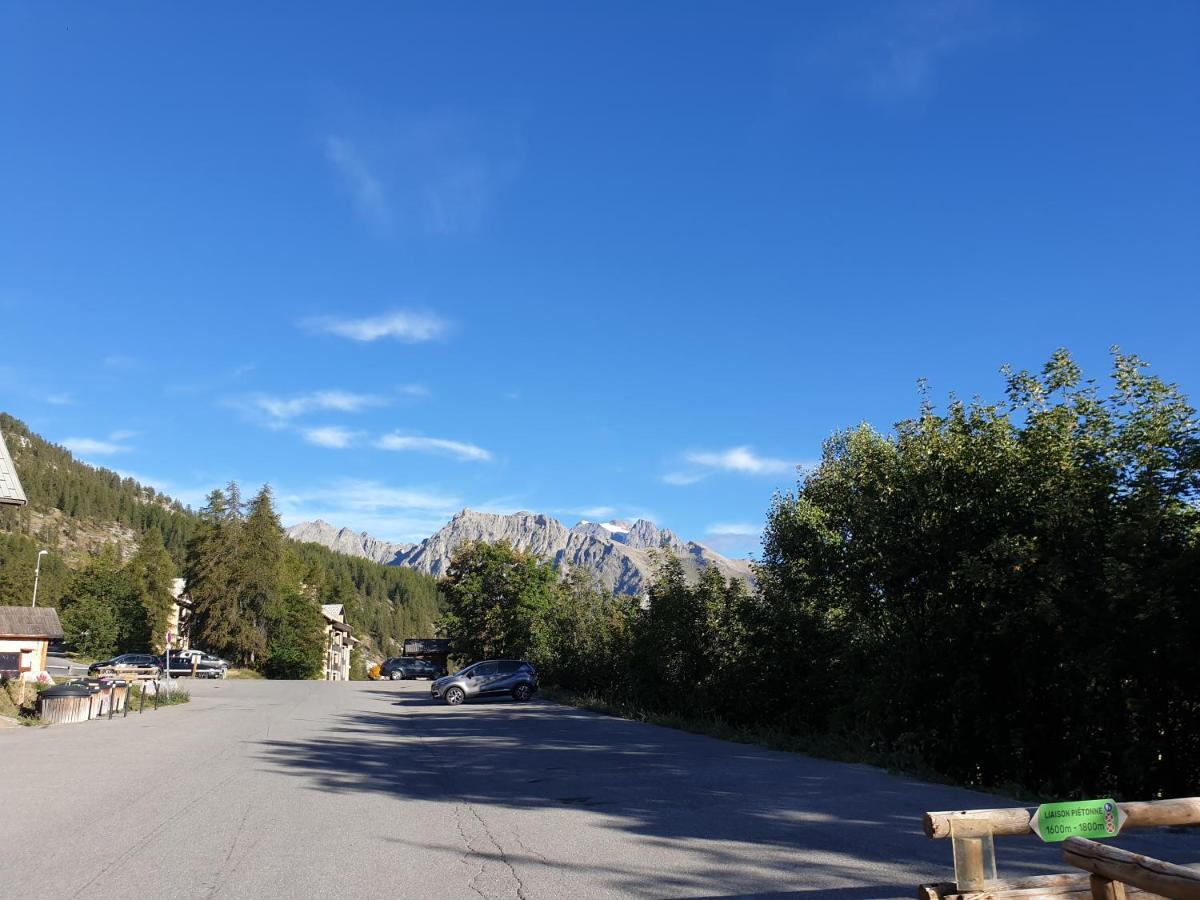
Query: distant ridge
(617, 552)
(351, 543)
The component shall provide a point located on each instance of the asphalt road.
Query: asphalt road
(60, 666)
(311, 789)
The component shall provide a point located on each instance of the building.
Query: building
(25, 636)
(11, 492)
(436, 650)
(338, 642)
(181, 612)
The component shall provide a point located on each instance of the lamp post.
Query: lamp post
(37, 572)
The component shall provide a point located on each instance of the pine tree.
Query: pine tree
(260, 574)
(209, 572)
(153, 571)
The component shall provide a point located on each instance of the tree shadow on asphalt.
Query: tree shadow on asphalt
(793, 820)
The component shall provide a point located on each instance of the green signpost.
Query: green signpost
(1095, 819)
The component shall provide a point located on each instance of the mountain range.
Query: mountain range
(619, 553)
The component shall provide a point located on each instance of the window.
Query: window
(507, 668)
(486, 669)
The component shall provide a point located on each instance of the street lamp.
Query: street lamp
(37, 573)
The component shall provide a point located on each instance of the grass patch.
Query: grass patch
(248, 674)
(170, 694)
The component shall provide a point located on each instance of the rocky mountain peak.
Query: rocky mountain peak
(617, 552)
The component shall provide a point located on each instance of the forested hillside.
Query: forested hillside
(88, 498)
(94, 523)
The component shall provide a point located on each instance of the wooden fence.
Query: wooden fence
(1107, 872)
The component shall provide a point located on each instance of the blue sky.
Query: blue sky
(592, 260)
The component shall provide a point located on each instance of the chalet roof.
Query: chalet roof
(25, 621)
(334, 612)
(11, 492)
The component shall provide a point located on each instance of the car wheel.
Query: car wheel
(397, 675)
(454, 696)
(522, 692)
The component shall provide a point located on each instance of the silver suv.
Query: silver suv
(490, 678)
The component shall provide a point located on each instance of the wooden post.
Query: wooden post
(1106, 889)
(974, 855)
(970, 856)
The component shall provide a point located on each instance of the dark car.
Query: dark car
(206, 665)
(490, 678)
(399, 668)
(126, 661)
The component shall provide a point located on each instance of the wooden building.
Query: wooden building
(25, 636)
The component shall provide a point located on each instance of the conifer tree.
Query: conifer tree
(153, 571)
(260, 574)
(209, 572)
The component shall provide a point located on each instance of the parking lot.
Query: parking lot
(366, 789)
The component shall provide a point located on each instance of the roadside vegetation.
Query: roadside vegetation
(998, 593)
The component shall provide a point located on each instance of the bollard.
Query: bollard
(142, 698)
(974, 854)
(156, 689)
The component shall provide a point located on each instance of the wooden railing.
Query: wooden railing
(968, 828)
(132, 673)
(1112, 869)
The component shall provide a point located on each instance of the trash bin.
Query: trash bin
(106, 694)
(120, 694)
(65, 703)
(93, 690)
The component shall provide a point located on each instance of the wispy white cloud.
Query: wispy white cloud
(437, 174)
(680, 479)
(739, 459)
(440, 446)
(333, 436)
(60, 399)
(597, 512)
(403, 325)
(743, 529)
(734, 538)
(899, 54)
(402, 514)
(415, 391)
(85, 446)
(284, 408)
(701, 464)
(365, 188)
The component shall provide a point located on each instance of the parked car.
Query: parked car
(398, 668)
(209, 658)
(490, 678)
(205, 665)
(126, 661)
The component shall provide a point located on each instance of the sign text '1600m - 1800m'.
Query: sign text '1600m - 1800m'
(1095, 819)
